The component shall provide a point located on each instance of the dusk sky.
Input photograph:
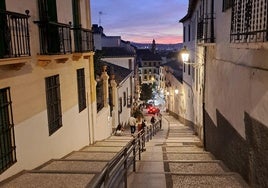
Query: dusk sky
(141, 20)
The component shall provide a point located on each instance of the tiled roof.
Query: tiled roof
(177, 71)
(148, 55)
(120, 73)
(117, 52)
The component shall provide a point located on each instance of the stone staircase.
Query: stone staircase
(173, 158)
(188, 165)
(75, 170)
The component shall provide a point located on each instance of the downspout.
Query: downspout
(203, 105)
(212, 22)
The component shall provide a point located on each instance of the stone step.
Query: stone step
(83, 155)
(45, 180)
(197, 167)
(72, 166)
(203, 181)
(110, 143)
(189, 156)
(102, 148)
(181, 149)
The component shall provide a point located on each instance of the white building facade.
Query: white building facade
(231, 41)
(47, 84)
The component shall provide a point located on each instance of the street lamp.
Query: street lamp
(176, 91)
(185, 56)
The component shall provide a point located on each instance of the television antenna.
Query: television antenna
(100, 14)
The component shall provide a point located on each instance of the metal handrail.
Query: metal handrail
(111, 175)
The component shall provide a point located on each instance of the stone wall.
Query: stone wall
(247, 156)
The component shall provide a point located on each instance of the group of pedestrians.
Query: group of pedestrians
(140, 123)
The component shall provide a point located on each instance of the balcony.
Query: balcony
(249, 22)
(205, 29)
(55, 42)
(83, 40)
(14, 38)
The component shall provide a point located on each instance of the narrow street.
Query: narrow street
(175, 158)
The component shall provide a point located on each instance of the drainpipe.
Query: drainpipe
(203, 100)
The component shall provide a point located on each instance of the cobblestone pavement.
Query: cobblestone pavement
(175, 158)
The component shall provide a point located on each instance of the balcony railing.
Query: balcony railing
(55, 38)
(14, 34)
(83, 39)
(205, 29)
(249, 21)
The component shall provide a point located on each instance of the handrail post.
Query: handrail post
(143, 141)
(153, 128)
(125, 167)
(151, 132)
(134, 155)
(139, 142)
(148, 134)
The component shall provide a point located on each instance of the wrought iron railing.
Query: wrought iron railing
(83, 39)
(114, 174)
(249, 21)
(55, 38)
(205, 29)
(14, 34)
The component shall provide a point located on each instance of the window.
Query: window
(7, 137)
(189, 69)
(81, 89)
(130, 64)
(226, 4)
(184, 34)
(120, 105)
(100, 93)
(189, 32)
(53, 103)
(125, 98)
(249, 21)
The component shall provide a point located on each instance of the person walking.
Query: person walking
(132, 124)
(152, 120)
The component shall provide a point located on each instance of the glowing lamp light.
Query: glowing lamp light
(176, 91)
(168, 93)
(185, 54)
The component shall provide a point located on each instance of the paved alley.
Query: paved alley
(174, 157)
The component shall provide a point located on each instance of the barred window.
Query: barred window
(53, 103)
(125, 98)
(120, 105)
(249, 21)
(81, 89)
(226, 4)
(7, 137)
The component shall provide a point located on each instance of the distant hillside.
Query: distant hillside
(159, 47)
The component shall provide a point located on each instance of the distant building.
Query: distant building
(120, 55)
(149, 64)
